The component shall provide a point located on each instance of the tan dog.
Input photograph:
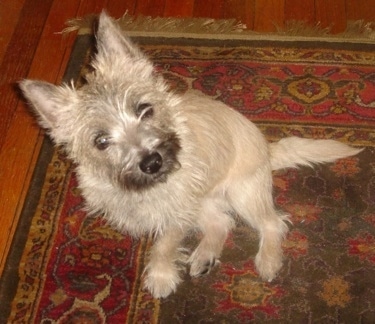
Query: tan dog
(155, 162)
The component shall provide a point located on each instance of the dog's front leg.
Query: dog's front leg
(162, 270)
(215, 225)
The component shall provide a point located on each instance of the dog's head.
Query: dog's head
(118, 126)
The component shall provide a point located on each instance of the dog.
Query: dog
(155, 162)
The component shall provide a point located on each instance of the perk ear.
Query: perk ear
(53, 106)
(112, 41)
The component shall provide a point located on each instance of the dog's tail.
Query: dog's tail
(291, 152)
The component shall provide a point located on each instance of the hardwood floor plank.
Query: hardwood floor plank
(154, 8)
(331, 14)
(208, 8)
(19, 55)
(9, 15)
(300, 11)
(90, 7)
(175, 8)
(242, 10)
(118, 8)
(360, 9)
(268, 15)
(49, 56)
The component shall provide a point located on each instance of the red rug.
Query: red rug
(66, 267)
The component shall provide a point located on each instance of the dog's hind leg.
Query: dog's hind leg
(215, 225)
(251, 197)
(268, 260)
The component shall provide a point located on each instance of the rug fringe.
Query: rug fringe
(356, 31)
(161, 24)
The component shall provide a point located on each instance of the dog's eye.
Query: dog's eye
(144, 110)
(102, 141)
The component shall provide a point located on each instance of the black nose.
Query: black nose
(151, 163)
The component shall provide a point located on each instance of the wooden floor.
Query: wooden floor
(30, 47)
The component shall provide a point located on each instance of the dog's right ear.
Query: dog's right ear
(117, 56)
(53, 106)
(111, 41)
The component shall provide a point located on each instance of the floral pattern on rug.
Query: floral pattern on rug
(313, 92)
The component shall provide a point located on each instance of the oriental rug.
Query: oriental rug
(66, 267)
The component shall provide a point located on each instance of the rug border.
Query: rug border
(248, 37)
(255, 42)
(10, 278)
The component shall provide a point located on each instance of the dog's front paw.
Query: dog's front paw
(268, 267)
(198, 269)
(202, 263)
(161, 282)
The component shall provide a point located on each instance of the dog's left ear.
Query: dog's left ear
(53, 106)
(112, 43)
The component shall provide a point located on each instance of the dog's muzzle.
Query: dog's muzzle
(151, 163)
(151, 167)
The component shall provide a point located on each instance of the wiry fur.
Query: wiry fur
(155, 162)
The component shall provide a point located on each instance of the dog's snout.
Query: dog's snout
(151, 163)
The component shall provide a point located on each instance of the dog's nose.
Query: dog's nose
(151, 163)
